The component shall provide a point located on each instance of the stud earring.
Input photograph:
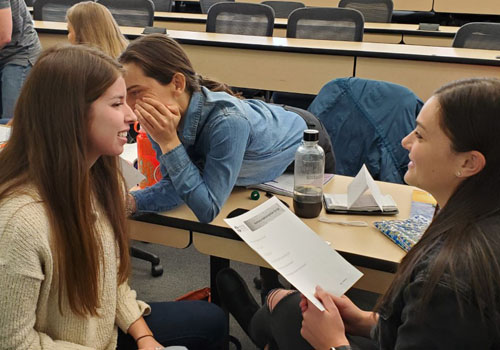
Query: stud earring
(458, 173)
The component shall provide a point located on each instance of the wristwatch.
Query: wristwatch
(343, 347)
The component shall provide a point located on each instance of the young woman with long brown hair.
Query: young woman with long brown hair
(446, 292)
(64, 251)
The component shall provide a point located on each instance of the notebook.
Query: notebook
(337, 204)
(363, 197)
(406, 233)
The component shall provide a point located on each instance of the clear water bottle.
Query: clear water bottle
(308, 176)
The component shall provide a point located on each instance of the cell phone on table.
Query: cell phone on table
(152, 30)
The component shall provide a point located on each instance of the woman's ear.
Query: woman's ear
(473, 163)
(179, 81)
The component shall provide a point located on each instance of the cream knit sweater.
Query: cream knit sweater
(29, 312)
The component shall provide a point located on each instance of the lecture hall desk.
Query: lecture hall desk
(372, 252)
(391, 33)
(402, 5)
(479, 7)
(304, 65)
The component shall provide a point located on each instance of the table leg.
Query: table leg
(217, 264)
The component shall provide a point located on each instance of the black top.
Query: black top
(311, 135)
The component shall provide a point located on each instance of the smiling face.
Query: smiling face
(140, 85)
(433, 165)
(110, 119)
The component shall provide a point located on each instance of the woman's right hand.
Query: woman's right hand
(159, 121)
(130, 205)
(356, 321)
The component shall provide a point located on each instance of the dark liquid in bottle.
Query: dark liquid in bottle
(307, 209)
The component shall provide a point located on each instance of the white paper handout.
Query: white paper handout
(132, 175)
(4, 133)
(294, 250)
(357, 200)
(129, 152)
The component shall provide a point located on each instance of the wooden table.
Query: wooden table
(404, 5)
(480, 7)
(304, 65)
(365, 247)
(391, 33)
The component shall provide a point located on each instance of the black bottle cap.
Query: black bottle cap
(311, 135)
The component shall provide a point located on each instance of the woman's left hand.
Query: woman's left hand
(322, 329)
(159, 121)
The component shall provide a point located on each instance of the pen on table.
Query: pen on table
(341, 222)
(269, 195)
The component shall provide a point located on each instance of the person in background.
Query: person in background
(446, 291)
(19, 48)
(92, 24)
(64, 246)
(207, 140)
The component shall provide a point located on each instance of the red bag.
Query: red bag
(199, 294)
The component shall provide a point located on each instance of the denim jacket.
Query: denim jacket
(366, 120)
(441, 326)
(225, 142)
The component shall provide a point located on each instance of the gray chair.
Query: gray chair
(206, 4)
(326, 23)
(478, 35)
(282, 9)
(240, 18)
(52, 10)
(163, 5)
(372, 10)
(132, 13)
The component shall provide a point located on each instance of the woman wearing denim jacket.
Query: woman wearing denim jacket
(446, 292)
(206, 139)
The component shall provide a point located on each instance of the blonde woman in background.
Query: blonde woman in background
(92, 24)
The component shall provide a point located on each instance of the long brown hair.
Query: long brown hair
(48, 149)
(94, 25)
(470, 117)
(160, 57)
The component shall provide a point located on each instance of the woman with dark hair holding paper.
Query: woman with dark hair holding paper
(446, 292)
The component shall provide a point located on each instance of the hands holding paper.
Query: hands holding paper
(324, 329)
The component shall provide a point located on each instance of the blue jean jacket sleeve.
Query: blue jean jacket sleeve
(206, 190)
(157, 198)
